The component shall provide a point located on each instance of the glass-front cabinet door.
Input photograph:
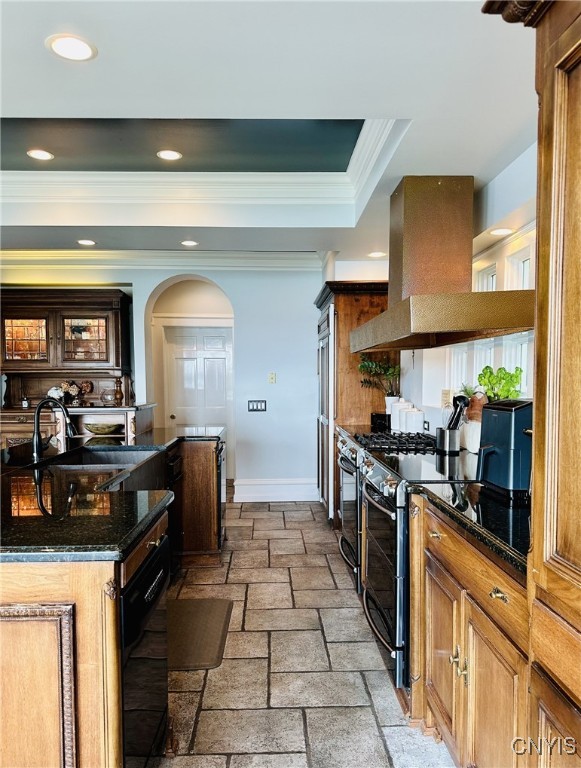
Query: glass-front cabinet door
(86, 339)
(27, 340)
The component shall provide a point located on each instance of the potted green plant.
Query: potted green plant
(500, 385)
(380, 374)
(492, 386)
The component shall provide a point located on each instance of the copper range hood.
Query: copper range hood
(431, 302)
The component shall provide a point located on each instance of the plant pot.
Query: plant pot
(389, 401)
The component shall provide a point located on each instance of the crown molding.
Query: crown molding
(292, 199)
(183, 188)
(161, 260)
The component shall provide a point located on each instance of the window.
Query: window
(458, 365)
(483, 355)
(487, 279)
(518, 350)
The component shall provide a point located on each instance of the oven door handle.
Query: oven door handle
(370, 500)
(375, 631)
(346, 466)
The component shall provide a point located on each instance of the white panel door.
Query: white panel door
(198, 375)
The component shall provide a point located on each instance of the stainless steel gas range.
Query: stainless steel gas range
(377, 471)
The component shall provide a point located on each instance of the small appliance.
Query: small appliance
(505, 453)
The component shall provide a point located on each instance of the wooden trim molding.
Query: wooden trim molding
(62, 616)
(527, 12)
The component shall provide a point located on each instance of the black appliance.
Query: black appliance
(505, 454)
(390, 461)
(349, 455)
(144, 646)
(380, 422)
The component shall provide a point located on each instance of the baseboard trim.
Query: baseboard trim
(276, 489)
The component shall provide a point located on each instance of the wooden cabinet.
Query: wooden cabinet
(476, 675)
(556, 557)
(554, 726)
(493, 675)
(342, 399)
(554, 564)
(61, 660)
(53, 335)
(443, 602)
(17, 426)
(196, 529)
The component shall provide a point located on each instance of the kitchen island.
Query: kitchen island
(62, 580)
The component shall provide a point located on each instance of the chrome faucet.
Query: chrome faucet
(37, 445)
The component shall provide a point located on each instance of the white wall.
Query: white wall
(275, 331)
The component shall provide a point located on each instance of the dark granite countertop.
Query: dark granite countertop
(90, 526)
(82, 524)
(486, 519)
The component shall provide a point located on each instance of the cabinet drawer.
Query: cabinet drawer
(142, 550)
(503, 599)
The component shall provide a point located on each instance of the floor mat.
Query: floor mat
(197, 632)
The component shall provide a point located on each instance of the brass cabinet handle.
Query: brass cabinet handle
(463, 672)
(455, 659)
(151, 544)
(434, 535)
(495, 593)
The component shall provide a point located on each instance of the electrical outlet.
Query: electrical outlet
(447, 395)
(426, 426)
(272, 378)
(257, 405)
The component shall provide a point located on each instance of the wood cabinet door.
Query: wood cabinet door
(28, 342)
(494, 678)
(88, 339)
(443, 604)
(556, 558)
(554, 733)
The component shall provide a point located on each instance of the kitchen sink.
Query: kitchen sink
(122, 469)
(88, 456)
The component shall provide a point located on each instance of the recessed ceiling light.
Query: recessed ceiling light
(189, 242)
(40, 154)
(71, 47)
(377, 255)
(502, 231)
(169, 154)
(86, 242)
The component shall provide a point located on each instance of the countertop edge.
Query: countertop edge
(117, 552)
(506, 557)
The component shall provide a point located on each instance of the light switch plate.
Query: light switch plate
(257, 405)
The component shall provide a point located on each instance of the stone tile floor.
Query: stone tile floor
(303, 683)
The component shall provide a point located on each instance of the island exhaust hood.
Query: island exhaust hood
(431, 302)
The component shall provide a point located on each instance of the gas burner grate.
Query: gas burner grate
(400, 442)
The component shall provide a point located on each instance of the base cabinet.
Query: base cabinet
(554, 733)
(493, 674)
(476, 678)
(60, 665)
(198, 515)
(443, 604)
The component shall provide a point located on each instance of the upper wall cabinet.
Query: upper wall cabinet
(64, 332)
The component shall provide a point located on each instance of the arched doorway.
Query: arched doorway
(191, 366)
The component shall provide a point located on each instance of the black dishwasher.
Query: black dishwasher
(144, 642)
